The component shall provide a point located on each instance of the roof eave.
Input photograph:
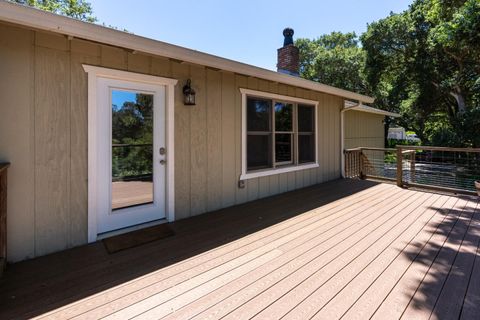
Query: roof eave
(350, 105)
(42, 20)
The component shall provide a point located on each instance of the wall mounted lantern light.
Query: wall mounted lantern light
(188, 94)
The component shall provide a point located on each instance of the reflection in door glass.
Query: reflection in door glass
(132, 149)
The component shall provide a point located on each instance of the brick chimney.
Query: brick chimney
(288, 55)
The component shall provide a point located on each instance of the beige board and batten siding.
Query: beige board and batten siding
(43, 133)
(363, 129)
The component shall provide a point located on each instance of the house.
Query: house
(101, 139)
(397, 133)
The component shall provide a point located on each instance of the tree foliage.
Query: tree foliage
(132, 138)
(423, 63)
(334, 59)
(431, 52)
(78, 9)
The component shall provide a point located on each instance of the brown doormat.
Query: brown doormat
(137, 238)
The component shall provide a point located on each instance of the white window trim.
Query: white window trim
(98, 72)
(268, 172)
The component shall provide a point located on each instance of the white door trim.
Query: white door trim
(94, 73)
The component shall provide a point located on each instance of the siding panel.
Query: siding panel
(229, 175)
(82, 52)
(115, 58)
(138, 63)
(182, 144)
(52, 150)
(198, 143)
(363, 130)
(17, 137)
(214, 140)
(160, 67)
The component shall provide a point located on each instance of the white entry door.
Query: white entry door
(131, 153)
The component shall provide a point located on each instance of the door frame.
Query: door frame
(94, 73)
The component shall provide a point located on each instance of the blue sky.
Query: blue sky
(120, 97)
(246, 31)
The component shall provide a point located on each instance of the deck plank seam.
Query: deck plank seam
(383, 250)
(266, 275)
(402, 251)
(434, 259)
(227, 271)
(193, 257)
(361, 253)
(477, 260)
(330, 261)
(457, 215)
(258, 240)
(475, 216)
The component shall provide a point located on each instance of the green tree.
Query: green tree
(78, 9)
(335, 59)
(425, 64)
(132, 137)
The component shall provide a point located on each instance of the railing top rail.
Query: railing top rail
(370, 149)
(116, 145)
(438, 148)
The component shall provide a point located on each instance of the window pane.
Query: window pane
(259, 151)
(306, 119)
(132, 149)
(283, 147)
(258, 114)
(283, 116)
(306, 148)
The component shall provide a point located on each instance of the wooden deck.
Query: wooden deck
(346, 249)
(131, 193)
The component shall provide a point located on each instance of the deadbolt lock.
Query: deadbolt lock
(162, 151)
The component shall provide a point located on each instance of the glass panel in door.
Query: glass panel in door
(132, 149)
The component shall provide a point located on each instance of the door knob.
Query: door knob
(162, 162)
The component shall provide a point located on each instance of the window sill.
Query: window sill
(271, 172)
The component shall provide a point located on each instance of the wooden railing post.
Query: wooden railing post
(399, 166)
(3, 215)
(361, 160)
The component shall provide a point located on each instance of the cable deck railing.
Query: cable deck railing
(440, 168)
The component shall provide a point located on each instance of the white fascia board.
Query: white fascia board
(38, 19)
(350, 105)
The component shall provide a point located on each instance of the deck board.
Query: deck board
(347, 248)
(450, 301)
(222, 255)
(471, 303)
(335, 296)
(325, 265)
(424, 300)
(368, 302)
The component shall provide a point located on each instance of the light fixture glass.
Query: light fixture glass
(188, 94)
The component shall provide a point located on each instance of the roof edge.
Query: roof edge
(350, 105)
(47, 21)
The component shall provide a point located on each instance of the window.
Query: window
(280, 133)
(306, 133)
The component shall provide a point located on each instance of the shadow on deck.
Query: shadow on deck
(343, 249)
(37, 286)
